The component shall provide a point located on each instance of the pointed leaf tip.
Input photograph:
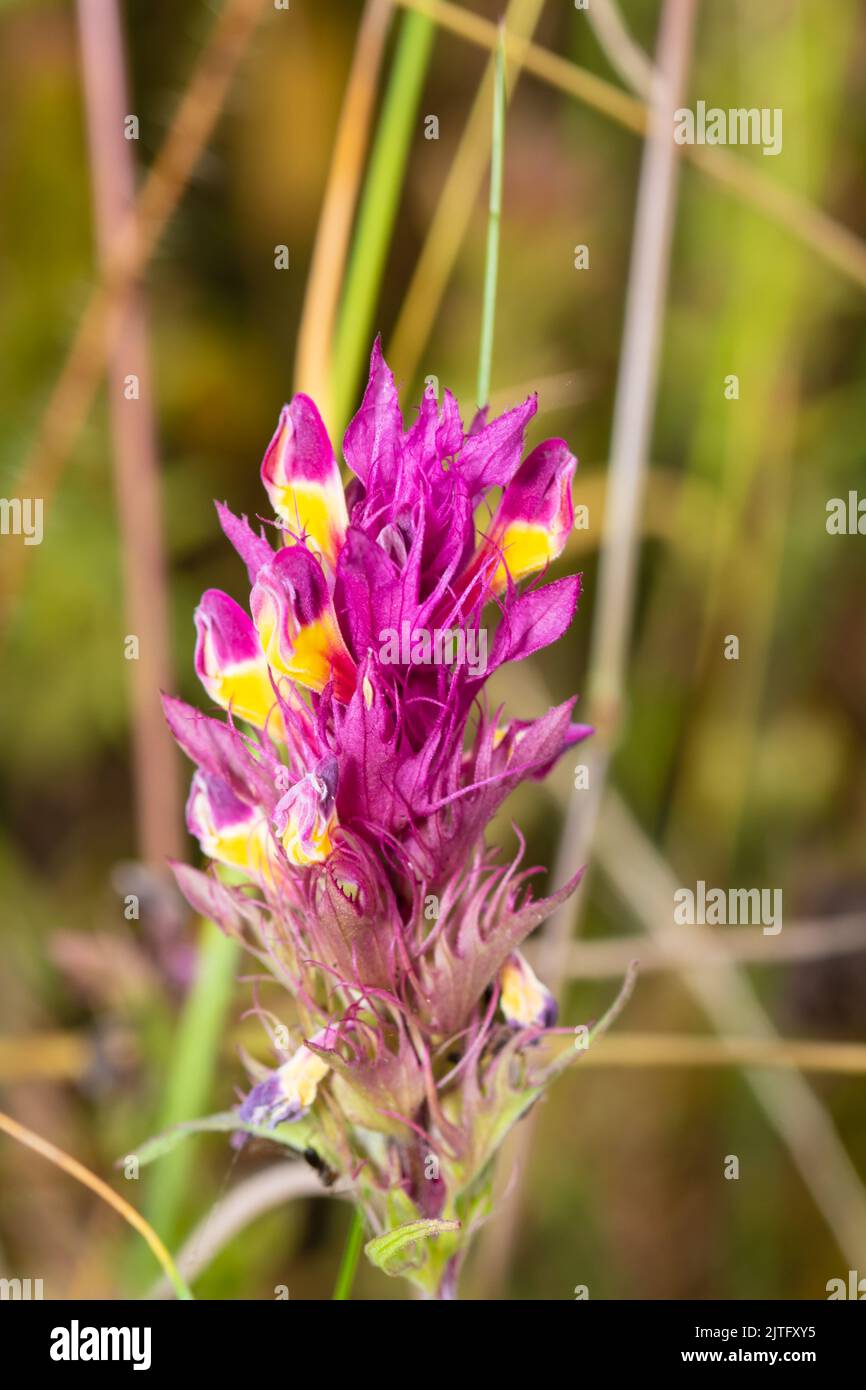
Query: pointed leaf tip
(394, 1252)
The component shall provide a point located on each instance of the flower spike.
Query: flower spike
(349, 827)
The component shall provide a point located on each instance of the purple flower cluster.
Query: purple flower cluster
(348, 792)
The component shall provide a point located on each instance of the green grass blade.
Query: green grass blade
(189, 1081)
(349, 1262)
(491, 269)
(378, 210)
(199, 1038)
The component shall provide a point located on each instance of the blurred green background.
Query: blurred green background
(745, 773)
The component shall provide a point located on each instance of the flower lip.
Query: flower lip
(296, 571)
(305, 816)
(286, 1094)
(525, 1002)
(222, 806)
(229, 660)
(226, 637)
(302, 479)
(229, 830)
(296, 623)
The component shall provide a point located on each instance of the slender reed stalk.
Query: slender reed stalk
(678, 1050)
(801, 941)
(266, 1189)
(550, 67)
(612, 618)
(625, 56)
(646, 885)
(454, 208)
(77, 1170)
(315, 335)
(194, 1061)
(488, 316)
(351, 1255)
(834, 243)
(75, 389)
(156, 776)
(630, 436)
(378, 210)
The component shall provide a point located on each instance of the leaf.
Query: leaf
(395, 1251)
(297, 1136)
(543, 1068)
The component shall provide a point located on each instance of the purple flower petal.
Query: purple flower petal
(491, 457)
(253, 550)
(374, 437)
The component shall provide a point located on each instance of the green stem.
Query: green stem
(351, 1255)
(199, 1036)
(488, 313)
(188, 1084)
(378, 210)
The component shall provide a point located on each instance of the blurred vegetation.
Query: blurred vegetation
(748, 773)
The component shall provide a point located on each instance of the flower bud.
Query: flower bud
(227, 829)
(525, 1001)
(303, 480)
(229, 661)
(306, 815)
(286, 1094)
(296, 624)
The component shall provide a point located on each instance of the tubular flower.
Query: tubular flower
(303, 481)
(536, 514)
(350, 791)
(525, 1001)
(229, 660)
(228, 830)
(286, 1094)
(305, 816)
(296, 624)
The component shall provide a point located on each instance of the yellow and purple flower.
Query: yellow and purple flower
(230, 831)
(352, 786)
(525, 1002)
(303, 481)
(285, 1094)
(296, 624)
(229, 660)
